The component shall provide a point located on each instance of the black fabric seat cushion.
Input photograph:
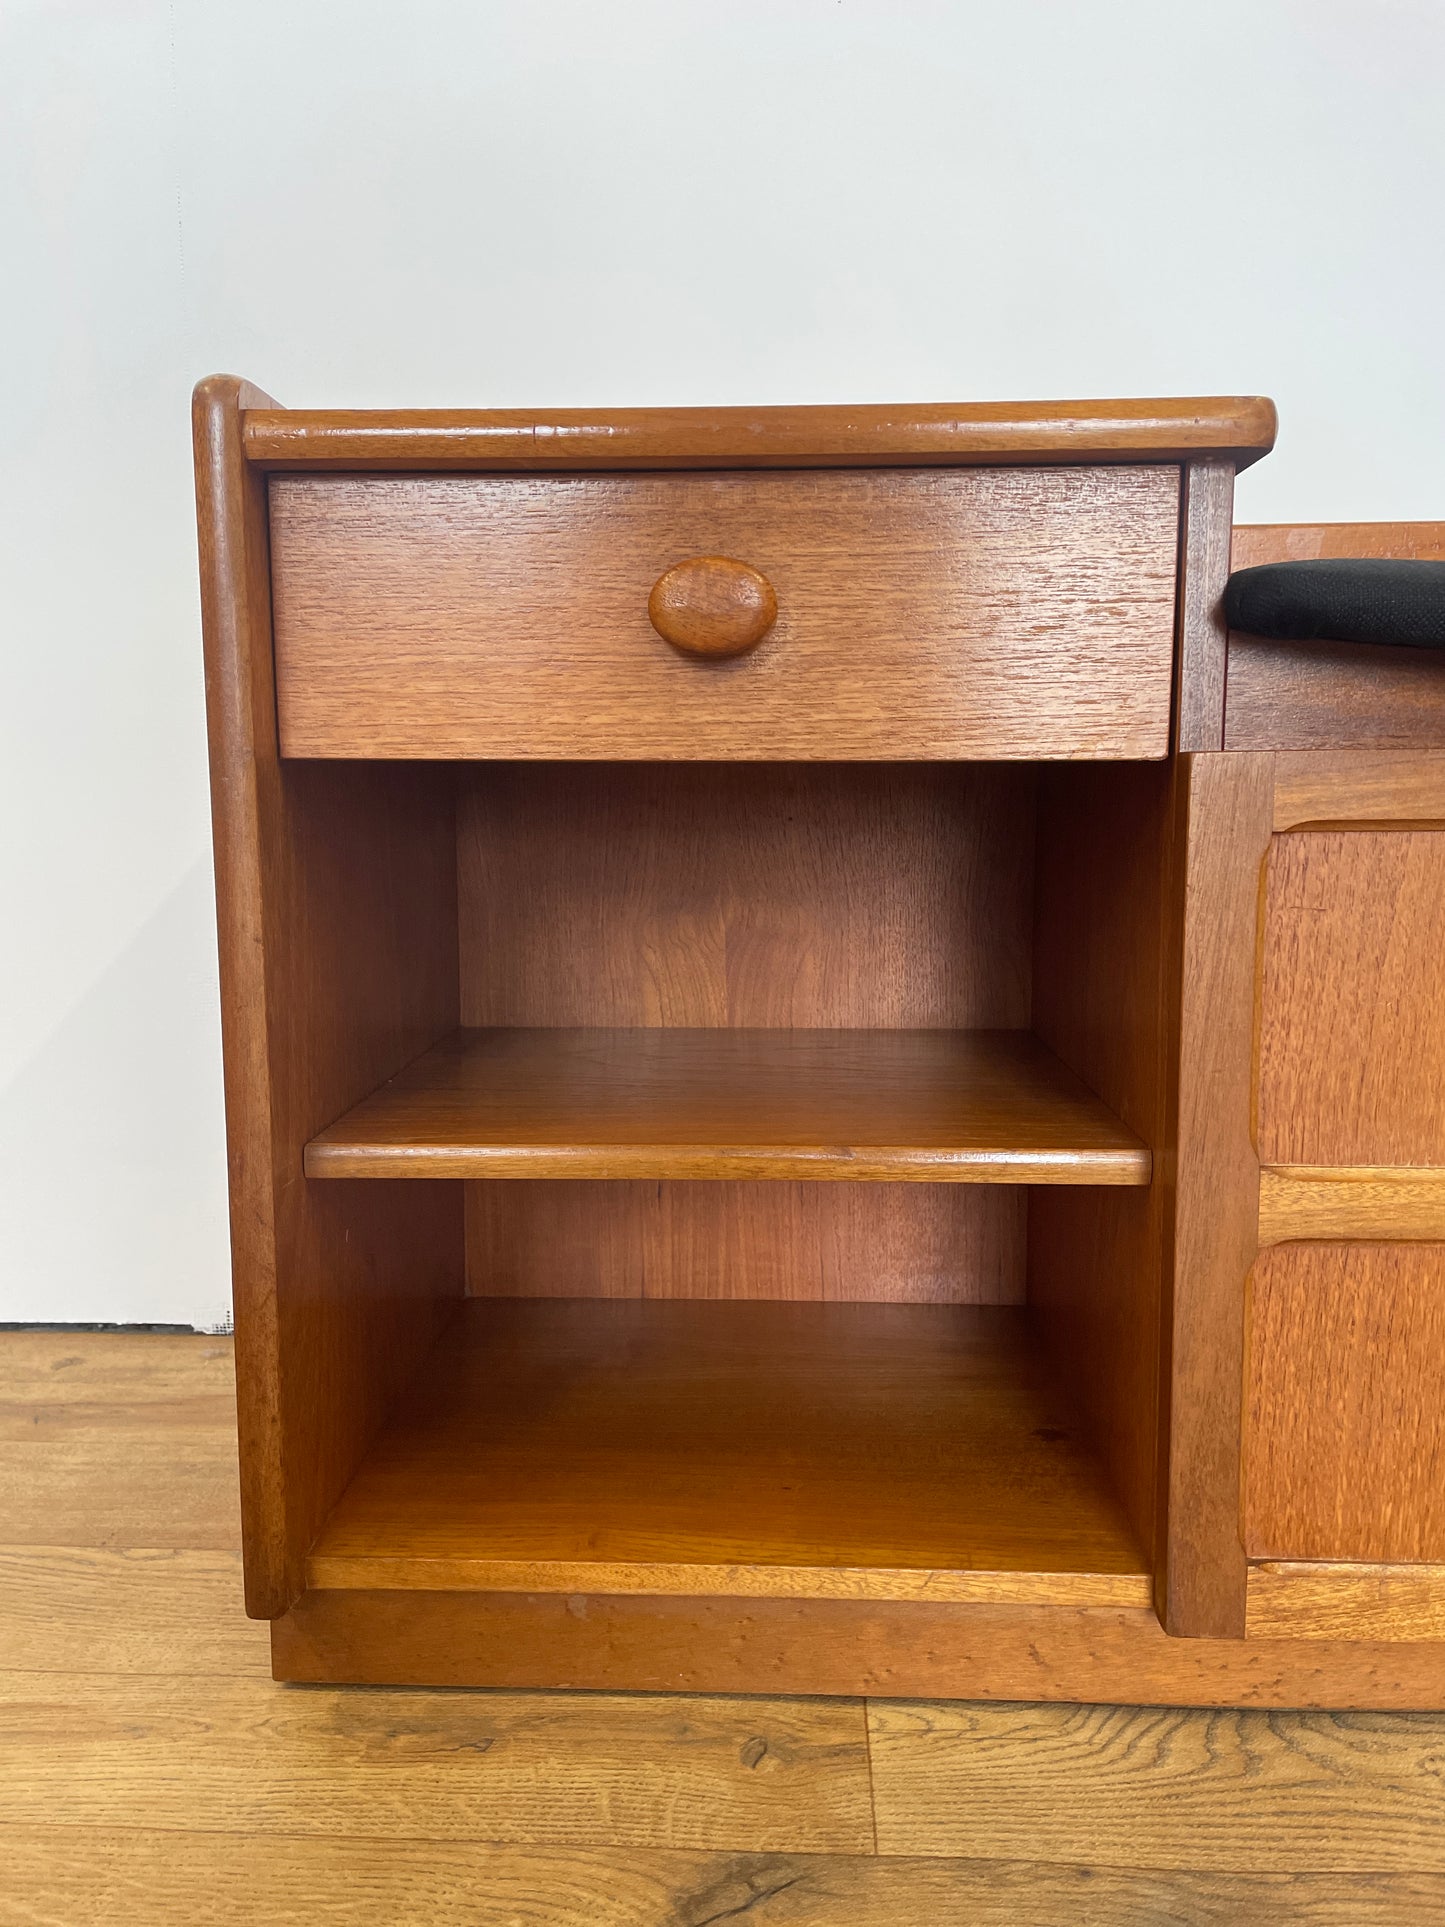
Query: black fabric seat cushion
(1363, 601)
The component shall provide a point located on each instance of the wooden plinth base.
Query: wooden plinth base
(881, 1648)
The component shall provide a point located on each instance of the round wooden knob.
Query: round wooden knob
(712, 606)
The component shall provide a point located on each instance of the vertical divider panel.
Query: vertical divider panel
(1230, 821)
(1106, 882)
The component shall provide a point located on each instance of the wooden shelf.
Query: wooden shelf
(734, 1448)
(961, 1107)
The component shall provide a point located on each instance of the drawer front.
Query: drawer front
(920, 613)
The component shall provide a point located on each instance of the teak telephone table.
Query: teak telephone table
(830, 1089)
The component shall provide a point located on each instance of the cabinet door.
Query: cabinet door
(1344, 1444)
(1352, 999)
(1312, 1135)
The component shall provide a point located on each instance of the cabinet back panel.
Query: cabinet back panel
(724, 895)
(1322, 695)
(784, 896)
(920, 1243)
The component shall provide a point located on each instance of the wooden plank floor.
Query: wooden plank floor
(151, 1771)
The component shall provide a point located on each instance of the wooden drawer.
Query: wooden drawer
(983, 613)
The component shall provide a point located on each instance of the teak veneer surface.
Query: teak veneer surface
(920, 1648)
(1206, 514)
(981, 1107)
(1356, 1202)
(1209, 1154)
(1352, 1014)
(1340, 1600)
(765, 895)
(786, 895)
(1006, 613)
(770, 1238)
(1234, 428)
(1104, 967)
(1344, 1451)
(895, 1451)
(1395, 788)
(1324, 695)
(336, 923)
(1259, 542)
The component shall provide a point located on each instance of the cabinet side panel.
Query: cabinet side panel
(337, 924)
(1345, 1404)
(1103, 929)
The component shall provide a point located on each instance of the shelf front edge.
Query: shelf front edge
(374, 1573)
(875, 1165)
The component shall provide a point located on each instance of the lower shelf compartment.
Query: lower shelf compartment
(784, 1450)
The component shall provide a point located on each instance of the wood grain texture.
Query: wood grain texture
(782, 1774)
(338, 964)
(1358, 787)
(711, 606)
(1345, 1398)
(1297, 1600)
(118, 1440)
(792, 897)
(657, 1578)
(1106, 999)
(218, 1879)
(880, 1447)
(891, 1647)
(941, 1106)
(1216, 1215)
(1259, 542)
(46, 1493)
(117, 1377)
(1367, 1202)
(993, 613)
(1352, 1000)
(1075, 1783)
(766, 894)
(1206, 515)
(138, 1610)
(1319, 695)
(1328, 695)
(223, 1845)
(931, 1243)
(1239, 428)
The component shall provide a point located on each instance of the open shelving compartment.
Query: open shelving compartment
(804, 1119)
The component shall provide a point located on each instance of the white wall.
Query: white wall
(493, 202)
